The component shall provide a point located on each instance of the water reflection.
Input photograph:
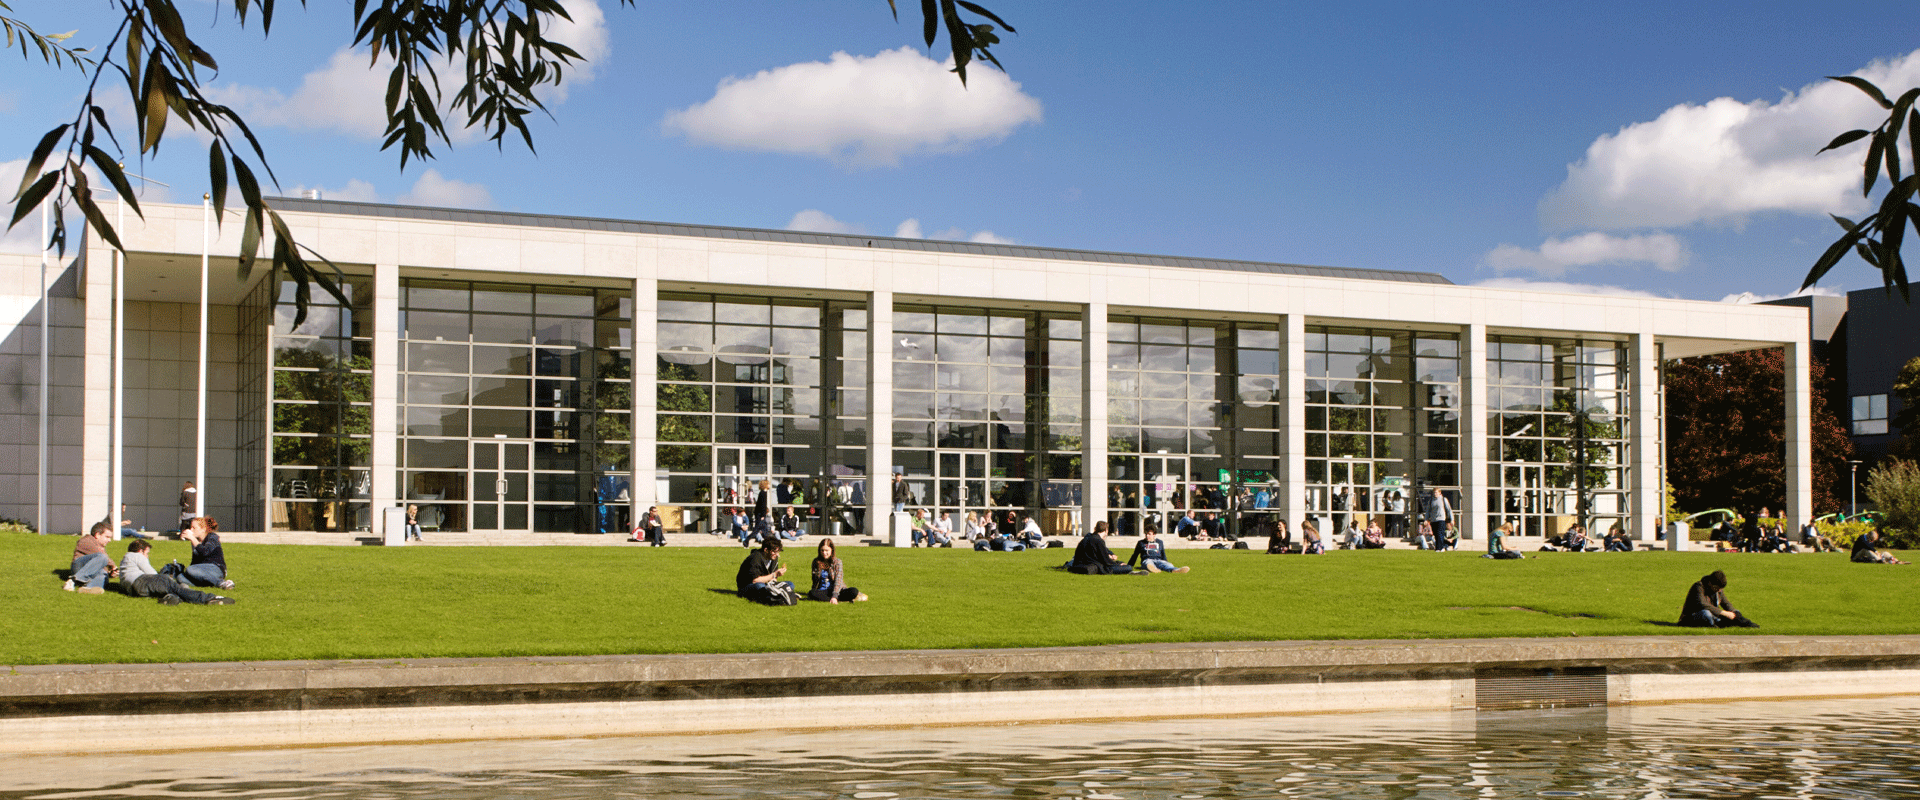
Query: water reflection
(1827, 749)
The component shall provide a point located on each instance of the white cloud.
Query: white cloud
(348, 94)
(1565, 288)
(1725, 160)
(819, 222)
(1744, 298)
(431, 189)
(861, 111)
(1557, 257)
(908, 229)
(435, 190)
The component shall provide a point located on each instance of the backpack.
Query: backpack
(780, 593)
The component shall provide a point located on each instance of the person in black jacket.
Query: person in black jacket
(1707, 607)
(1092, 557)
(760, 568)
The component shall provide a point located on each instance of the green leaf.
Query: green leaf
(1843, 140)
(1832, 256)
(114, 175)
(988, 14)
(1863, 85)
(217, 180)
(153, 119)
(1845, 223)
(930, 16)
(30, 197)
(38, 160)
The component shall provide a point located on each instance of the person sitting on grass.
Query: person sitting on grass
(1151, 553)
(1774, 540)
(1310, 544)
(759, 571)
(127, 531)
(1866, 549)
(91, 565)
(1423, 537)
(1373, 538)
(1617, 541)
(1707, 607)
(1497, 543)
(138, 578)
(830, 578)
(1814, 540)
(1092, 557)
(1031, 535)
(1281, 541)
(742, 528)
(209, 565)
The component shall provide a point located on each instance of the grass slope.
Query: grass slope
(393, 603)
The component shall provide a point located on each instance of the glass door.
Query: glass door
(737, 469)
(502, 475)
(1163, 489)
(962, 482)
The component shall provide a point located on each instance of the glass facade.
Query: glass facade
(987, 409)
(1558, 425)
(321, 438)
(1382, 418)
(1179, 411)
(742, 391)
(516, 406)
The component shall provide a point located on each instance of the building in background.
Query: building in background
(520, 372)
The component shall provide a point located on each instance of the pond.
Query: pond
(1800, 749)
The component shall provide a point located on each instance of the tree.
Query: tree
(1894, 488)
(1726, 443)
(1879, 236)
(1906, 388)
(501, 46)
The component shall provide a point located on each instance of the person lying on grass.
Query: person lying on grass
(138, 578)
(1866, 549)
(1092, 557)
(830, 578)
(759, 570)
(1151, 553)
(1707, 607)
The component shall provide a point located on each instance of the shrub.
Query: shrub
(1843, 533)
(15, 526)
(1894, 488)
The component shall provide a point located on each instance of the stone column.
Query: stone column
(1293, 424)
(646, 396)
(1799, 433)
(880, 416)
(1471, 516)
(1093, 413)
(386, 490)
(96, 430)
(1647, 494)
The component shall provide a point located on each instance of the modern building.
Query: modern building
(1864, 338)
(521, 372)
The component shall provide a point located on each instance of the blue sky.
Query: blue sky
(1631, 147)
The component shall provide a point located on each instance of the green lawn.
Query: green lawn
(300, 602)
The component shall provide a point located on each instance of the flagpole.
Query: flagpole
(40, 520)
(200, 413)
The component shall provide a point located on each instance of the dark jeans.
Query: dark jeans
(657, 534)
(159, 585)
(1705, 618)
(846, 595)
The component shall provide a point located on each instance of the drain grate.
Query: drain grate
(1505, 689)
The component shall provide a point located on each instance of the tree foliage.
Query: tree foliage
(1878, 237)
(1894, 488)
(500, 48)
(1906, 388)
(1726, 436)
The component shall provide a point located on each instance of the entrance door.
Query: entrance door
(961, 482)
(502, 478)
(737, 469)
(1164, 488)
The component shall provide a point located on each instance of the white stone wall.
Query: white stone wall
(20, 392)
(162, 353)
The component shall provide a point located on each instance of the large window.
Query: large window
(1558, 412)
(321, 440)
(1166, 423)
(986, 407)
(515, 406)
(1383, 417)
(741, 399)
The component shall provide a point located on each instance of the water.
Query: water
(1824, 749)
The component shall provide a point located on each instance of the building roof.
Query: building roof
(470, 216)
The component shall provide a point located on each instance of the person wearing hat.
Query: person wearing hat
(1707, 607)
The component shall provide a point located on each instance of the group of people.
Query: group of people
(1093, 557)
(759, 578)
(171, 584)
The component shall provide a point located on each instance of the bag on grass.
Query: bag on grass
(780, 593)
